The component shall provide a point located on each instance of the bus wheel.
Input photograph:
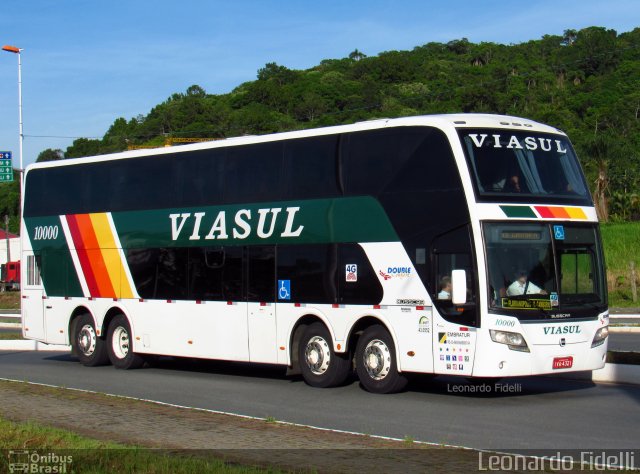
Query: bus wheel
(376, 363)
(90, 350)
(319, 364)
(119, 345)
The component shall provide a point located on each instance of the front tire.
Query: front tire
(320, 365)
(376, 363)
(90, 349)
(120, 346)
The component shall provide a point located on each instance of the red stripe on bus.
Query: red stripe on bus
(544, 212)
(85, 264)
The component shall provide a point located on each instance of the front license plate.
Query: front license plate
(563, 362)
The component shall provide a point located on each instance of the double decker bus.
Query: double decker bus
(450, 244)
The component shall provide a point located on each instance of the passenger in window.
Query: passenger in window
(522, 286)
(512, 184)
(445, 288)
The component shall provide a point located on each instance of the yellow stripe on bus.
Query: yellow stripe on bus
(575, 213)
(111, 255)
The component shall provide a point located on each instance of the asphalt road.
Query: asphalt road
(529, 413)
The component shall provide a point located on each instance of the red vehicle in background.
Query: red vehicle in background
(10, 276)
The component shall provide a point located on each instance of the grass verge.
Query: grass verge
(9, 300)
(81, 454)
(621, 243)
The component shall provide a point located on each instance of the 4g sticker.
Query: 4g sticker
(351, 273)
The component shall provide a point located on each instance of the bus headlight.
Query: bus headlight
(514, 340)
(600, 337)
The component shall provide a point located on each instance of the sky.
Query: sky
(87, 62)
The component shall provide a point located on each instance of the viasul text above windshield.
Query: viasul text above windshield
(508, 165)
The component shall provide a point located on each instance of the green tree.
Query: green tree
(584, 82)
(50, 155)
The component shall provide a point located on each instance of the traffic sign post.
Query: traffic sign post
(6, 167)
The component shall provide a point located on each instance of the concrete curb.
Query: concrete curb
(624, 329)
(10, 325)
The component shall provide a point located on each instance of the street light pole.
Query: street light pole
(16, 50)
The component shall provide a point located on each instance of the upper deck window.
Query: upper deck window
(512, 165)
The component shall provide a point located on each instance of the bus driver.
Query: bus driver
(522, 286)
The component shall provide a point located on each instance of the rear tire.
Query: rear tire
(120, 346)
(90, 349)
(376, 363)
(320, 365)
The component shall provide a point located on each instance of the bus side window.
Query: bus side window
(261, 281)
(358, 281)
(311, 271)
(310, 167)
(205, 273)
(452, 251)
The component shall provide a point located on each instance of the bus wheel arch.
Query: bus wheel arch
(376, 356)
(313, 354)
(360, 326)
(86, 342)
(294, 340)
(108, 317)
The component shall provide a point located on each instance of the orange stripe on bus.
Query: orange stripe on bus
(559, 212)
(94, 253)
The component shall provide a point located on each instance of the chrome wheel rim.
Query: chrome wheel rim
(120, 342)
(317, 355)
(377, 359)
(87, 340)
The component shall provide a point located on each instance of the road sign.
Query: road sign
(6, 167)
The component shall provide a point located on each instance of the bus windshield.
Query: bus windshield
(544, 270)
(526, 165)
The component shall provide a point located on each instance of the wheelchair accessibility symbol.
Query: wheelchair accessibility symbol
(558, 232)
(284, 289)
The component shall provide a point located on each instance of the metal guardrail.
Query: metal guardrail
(10, 315)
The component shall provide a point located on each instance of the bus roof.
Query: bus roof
(470, 120)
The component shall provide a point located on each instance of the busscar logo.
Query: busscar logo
(410, 302)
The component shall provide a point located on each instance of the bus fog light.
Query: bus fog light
(514, 340)
(600, 337)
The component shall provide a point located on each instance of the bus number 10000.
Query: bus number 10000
(45, 232)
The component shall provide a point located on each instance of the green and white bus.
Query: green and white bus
(449, 244)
